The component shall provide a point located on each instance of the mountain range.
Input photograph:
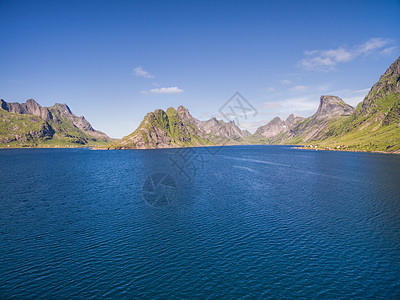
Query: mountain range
(331, 110)
(178, 128)
(29, 124)
(374, 125)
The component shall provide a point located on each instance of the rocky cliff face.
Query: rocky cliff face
(163, 129)
(272, 128)
(292, 121)
(332, 106)
(30, 107)
(61, 114)
(31, 123)
(389, 83)
(277, 130)
(178, 128)
(374, 125)
(221, 129)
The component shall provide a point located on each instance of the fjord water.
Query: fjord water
(259, 221)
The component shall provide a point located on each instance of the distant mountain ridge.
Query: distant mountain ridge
(219, 128)
(374, 125)
(331, 109)
(277, 130)
(178, 128)
(31, 124)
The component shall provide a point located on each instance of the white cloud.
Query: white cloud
(388, 51)
(298, 88)
(372, 44)
(326, 60)
(270, 89)
(167, 90)
(285, 81)
(142, 73)
(306, 104)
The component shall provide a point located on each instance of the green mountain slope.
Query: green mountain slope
(372, 126)
(331, 111)
(375, 124)
(29, 124)
(177, 128)
(164, 129)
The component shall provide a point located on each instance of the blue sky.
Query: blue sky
(114, 61)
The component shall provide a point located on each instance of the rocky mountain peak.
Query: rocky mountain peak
(325, 99)
(63, 108)
(388, 83)
(57, 121)
(220, 128)
(158, 112)
(277, 126)
(32, 107)
(290, 118)
(32, 102)
(29, 107)
(276, 120)
(181, 108)
(393, 70)
(185, 116)
(293, 120)
(331, 106)
(272, 128)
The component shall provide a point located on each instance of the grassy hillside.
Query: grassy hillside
(370, 130)
(59, 128)
(373, 126)
(160, 129)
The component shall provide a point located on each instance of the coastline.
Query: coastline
(52, 147)
(299, 147)
(302, 147)
(342, 150)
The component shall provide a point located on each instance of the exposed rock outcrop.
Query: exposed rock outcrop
(389, 83)
(160, 129)
(374, 125)
(25, 122)
(278, 130)
(332, 106)
(178, 128)
(219, 128)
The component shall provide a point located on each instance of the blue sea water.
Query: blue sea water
(208, 223)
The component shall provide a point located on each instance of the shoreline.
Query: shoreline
(341, 150)
(299, 147)
(29, 147)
